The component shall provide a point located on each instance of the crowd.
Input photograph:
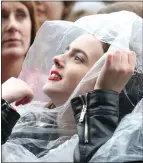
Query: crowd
(72, 81)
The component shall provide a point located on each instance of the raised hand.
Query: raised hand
(117, 70)
(16, 90)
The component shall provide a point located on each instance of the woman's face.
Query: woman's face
(49, 10)
(16, 29)
(70, 67)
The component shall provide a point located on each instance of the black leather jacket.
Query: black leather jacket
(9, 117)
(96, 115)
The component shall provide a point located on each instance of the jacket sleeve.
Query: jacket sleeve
(9, 117)
(96, 115)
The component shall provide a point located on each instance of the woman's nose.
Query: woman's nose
(59, 63)
(12, 24)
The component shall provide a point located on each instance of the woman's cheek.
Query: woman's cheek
(27, 38)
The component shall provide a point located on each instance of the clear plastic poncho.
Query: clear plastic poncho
(46, 135)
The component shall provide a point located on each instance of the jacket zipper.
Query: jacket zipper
(83, 118)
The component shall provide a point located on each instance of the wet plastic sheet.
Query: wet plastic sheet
(47, 135)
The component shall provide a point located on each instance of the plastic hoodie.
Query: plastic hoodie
(123, 31)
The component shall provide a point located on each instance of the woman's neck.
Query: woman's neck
(67, 123)
(11, 67)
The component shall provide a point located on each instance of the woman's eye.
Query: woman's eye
(78, 59)
(20, 15)
(5, 15)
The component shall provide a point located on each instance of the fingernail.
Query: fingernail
(117, 52)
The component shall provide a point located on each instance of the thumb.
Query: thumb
(109, 61)
(19, 102)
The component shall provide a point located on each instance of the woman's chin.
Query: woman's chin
(53, 84)
(13, 52)
(50, 89)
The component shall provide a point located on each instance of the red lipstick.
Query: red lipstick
(54, 75)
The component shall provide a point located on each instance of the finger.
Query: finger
(117, 59)
(109, 60)
(132, 58)
(19, 102)
(124, 59)
(26, 101)
(30, 96)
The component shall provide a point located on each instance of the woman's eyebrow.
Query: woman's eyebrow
(76, 50)
(20, 9)
(4, 10)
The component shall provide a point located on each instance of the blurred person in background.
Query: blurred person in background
(136, 7)
(19, 26)
(81, 9)
(57, 10)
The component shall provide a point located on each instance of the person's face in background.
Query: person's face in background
(70, 67)
(49, 10)
(16, 29)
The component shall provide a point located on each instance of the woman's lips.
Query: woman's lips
(53, 78)
(54, 75)
(11, 41)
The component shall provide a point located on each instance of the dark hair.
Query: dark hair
(32, 11)
(67, 8)
(73, 16)
(105, 46)
(136, 7)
